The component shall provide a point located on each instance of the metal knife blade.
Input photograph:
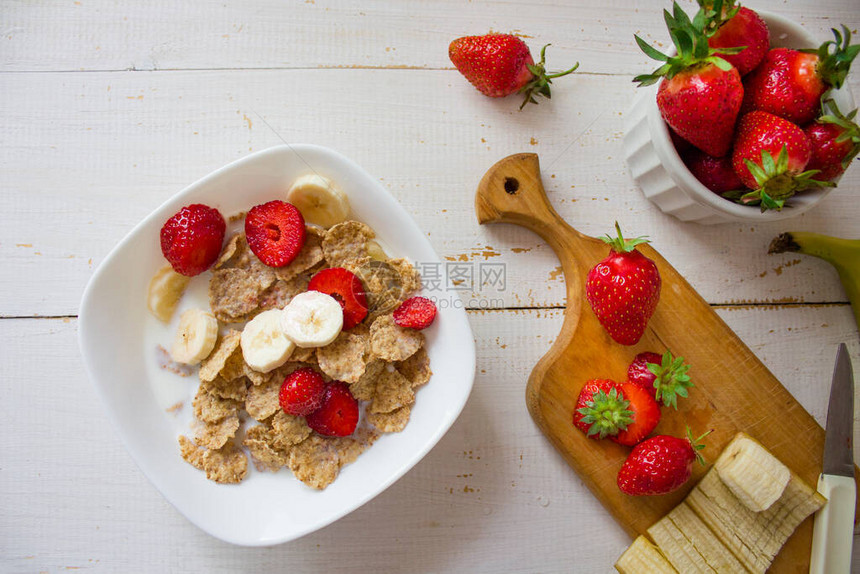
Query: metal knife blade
(839, 438)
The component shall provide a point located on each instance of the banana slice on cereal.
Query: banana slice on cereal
(319, 200)
(312, 319)
(265, 346)
(195, 337)
(165, 289)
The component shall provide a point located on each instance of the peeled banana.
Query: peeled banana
(195, 337)
(642, 557)
(755, 477)
(843, 254)
(319, 200)
(165, 289)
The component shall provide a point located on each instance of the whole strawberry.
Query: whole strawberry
(191, 239)
(715, 173)
(601, 410)
(730, 26)
(302, 392)
(835, 141)
(790, 83)
(499, 65)
(659, 465)
(623, 289)
(665, 377)
(770, 155)
(700, 93)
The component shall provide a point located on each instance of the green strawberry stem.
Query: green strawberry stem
(850, 130)
(539, 85)
(833, 66)
(694, 444)
(672, 380)
(606, 413)
(775, 184)
(621, 245)
(691, 46)
(714, 13)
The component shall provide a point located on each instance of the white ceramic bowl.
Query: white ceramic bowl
(118, 339)
(665, 180)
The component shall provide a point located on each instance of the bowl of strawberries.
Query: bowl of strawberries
(749, 118)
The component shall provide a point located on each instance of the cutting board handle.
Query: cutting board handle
(512, 192)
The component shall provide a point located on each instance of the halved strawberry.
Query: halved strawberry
(601, 410)
(275, 232)
(646, 415)
(338, 415)
(415, 313)
(346, 288)
(302, 392)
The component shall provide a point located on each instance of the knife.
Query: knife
(833, 533)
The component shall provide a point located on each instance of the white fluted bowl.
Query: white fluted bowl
(665, 180)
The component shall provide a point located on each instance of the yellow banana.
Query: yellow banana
(843, 254)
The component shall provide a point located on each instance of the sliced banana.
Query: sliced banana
(165, 289)
(319, 200)
(642, 557)
(265, 346)
(375, 251)
(753, 474)
(195, 337)
(312, 319)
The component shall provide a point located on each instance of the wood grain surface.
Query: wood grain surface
(109, 108)
(733, 390)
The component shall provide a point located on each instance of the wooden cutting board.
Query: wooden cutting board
(733, 390)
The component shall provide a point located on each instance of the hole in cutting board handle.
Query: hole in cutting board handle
(511, 185)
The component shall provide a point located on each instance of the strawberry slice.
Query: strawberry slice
(275, 232)
(346, 288)
(338, 415)
(302, 392)
(415, 313)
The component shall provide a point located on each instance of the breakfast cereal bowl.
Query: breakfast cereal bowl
(664, 179)
(150, 406)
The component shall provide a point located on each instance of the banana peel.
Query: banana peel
(843, 254)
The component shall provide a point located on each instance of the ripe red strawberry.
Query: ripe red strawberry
(499, 65)
(302, 392)
(835, 141)
(790, 83)
(770, 156)
(623, 289)
(715, 173)
(659, 465)
(191, 239)
(646, 415)
(415, 313)
(730, 26)
(664, 377)
(338, 415)
(275, 232)
(601, 410)
(347, 290)
(700, 93)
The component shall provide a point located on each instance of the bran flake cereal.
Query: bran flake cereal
(381, 362)
(391, 342)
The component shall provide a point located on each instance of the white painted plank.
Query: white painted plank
(492, 496)
(208, 34)
(85, 156)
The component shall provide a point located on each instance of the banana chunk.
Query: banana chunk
(319, 200)
(195, 337)
(165, 289)
(752, 473)
(643, 557)
(265, 346)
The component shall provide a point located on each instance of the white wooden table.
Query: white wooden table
(109, 109)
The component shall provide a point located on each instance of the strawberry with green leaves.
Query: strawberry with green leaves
(835, 141)
(728, 25)
(660, 465)
(499, 65)
(623, 289)
(770, 155)
(791, 83)
(625, 413)
(665, 377)
(700, 93)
